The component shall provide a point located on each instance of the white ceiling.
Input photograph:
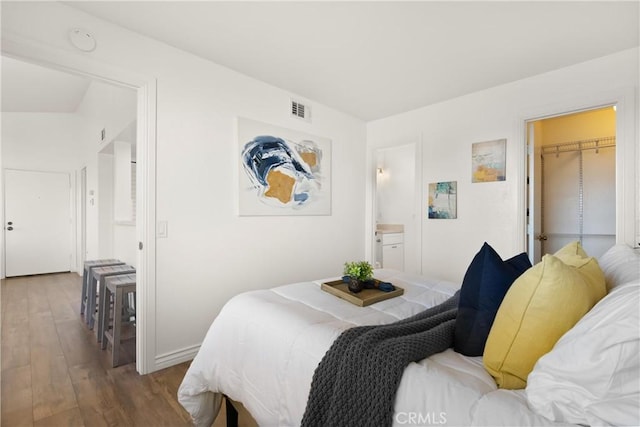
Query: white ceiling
(29, 88)
(376, 59)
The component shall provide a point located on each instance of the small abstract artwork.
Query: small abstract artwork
(283, 171)
(443, 200)
(489, 160)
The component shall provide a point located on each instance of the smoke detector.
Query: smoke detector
(82, 40)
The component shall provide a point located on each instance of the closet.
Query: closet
(577, 182)
(578, 194)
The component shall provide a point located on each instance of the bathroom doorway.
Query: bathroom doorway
(397, 208)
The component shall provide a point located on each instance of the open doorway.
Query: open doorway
(143, 90)
(397, 241)
(571, 182)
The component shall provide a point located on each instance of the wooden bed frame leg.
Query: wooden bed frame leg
(232, 413)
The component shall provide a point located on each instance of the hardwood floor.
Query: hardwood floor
(54, 373)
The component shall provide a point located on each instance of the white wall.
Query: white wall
(493, 212)
(212, 254)
(105, 206)
(395, 184)
(41, 141)
(124, 230)
(125, 244)
(112, 108)
(122, 201)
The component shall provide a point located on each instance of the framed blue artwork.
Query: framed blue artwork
(282, 171)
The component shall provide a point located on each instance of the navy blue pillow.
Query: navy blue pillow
(484, 286)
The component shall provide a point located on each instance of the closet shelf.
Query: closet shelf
(586, 144)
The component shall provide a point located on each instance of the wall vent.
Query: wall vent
(300, 110)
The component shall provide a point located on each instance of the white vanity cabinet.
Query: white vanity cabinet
(393, 250)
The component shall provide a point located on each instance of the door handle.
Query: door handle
(542, 237)
(9, 228)
(10, 223)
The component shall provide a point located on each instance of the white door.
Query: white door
(534, 183)
(38, 222)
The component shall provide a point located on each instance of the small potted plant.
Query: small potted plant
(356, 273)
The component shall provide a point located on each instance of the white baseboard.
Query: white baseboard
(167, 360)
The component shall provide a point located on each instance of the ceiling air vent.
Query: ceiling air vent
(300, 110)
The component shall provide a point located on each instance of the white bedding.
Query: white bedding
(264, 346)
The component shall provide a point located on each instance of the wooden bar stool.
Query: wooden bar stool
(116, 287)
(98, 274)
(86, 274)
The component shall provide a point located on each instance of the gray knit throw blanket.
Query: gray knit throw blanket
(356, 382)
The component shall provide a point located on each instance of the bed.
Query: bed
(263, 348)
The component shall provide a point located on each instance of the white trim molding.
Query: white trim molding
(186, 354)
(145, 228)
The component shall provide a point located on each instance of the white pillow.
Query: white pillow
(592, 375)
(620, 264)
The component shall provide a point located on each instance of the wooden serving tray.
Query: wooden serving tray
(364, 297)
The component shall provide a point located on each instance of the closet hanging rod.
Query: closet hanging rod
(586, 144)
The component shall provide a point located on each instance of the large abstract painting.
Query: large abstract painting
(488, 161)
(282, 171)
(443, 200)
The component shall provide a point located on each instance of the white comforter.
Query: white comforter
(264, 346)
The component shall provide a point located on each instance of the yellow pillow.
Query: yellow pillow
(542, 304)
(573, 248)
(572, 254)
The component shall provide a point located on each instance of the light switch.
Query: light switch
(161, 229)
